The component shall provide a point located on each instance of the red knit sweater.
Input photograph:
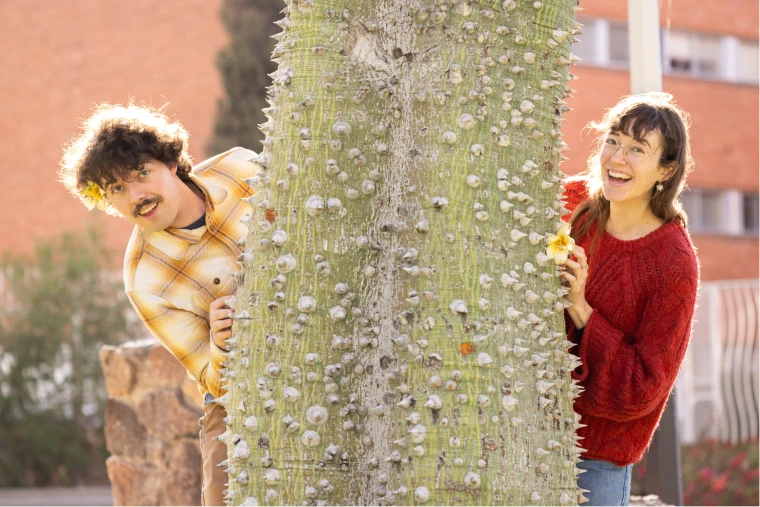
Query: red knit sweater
(643, 293)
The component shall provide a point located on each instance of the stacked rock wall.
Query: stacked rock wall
(151, 426)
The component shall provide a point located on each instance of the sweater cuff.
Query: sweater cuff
(598, 335)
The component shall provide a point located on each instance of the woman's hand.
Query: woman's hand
(576, 272)
(220, 321)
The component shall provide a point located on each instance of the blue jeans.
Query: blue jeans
(608, 484)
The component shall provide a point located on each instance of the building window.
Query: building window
(679, 51)
(722, 212)
(707, 55)
(689, 206)
(619, 43)
(711, 212)
(751, 213)
(586, 48)
(748, 61)
(704, 209)
(694, 54)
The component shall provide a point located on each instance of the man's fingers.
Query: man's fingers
(223, 335)
(219, 303)
(220, 337)
(219, 315)
(219, 325)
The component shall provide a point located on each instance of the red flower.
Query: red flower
(706, 474)
(697, 453)
(752, 475)
(720, 483)
(738, 460)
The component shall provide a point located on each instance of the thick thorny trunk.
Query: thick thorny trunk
(399, 335)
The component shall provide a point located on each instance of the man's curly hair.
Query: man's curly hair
(117, 140)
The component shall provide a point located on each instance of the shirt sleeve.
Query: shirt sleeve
(184, 334)
(627, 377)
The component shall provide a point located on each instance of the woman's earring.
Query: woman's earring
(659, 186)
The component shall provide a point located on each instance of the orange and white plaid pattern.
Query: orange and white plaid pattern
(172, 276)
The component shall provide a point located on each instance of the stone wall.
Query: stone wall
(151, 426)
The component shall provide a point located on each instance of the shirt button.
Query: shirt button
(217, 281)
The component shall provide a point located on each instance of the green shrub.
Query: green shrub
(59, 305)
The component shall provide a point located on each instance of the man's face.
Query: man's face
(150, 197)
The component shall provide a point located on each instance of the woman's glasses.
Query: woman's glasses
(634, 154)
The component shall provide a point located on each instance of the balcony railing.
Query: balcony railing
(718, 386)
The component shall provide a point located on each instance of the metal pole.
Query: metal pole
(663, 460)
(664, 457)
(644, 46)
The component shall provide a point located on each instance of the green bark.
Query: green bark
(398, 336)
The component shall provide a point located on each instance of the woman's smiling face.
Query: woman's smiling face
(623, 182)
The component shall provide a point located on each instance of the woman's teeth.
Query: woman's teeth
(148, 209)
(619, 176)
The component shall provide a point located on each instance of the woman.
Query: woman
(633, 281)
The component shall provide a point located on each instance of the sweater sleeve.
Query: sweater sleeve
(626, 377)
(575, 193)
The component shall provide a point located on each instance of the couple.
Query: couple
(633, 273)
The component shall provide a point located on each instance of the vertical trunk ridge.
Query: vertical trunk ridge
(399, 333)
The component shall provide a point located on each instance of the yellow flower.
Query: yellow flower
(93, 196)
(560, 245)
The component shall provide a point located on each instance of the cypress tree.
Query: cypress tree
(244, 65)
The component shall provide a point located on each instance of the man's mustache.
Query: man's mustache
(145, 203)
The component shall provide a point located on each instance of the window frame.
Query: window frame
(742, 79)
(750, 228)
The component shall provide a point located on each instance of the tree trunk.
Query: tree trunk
(399, 335)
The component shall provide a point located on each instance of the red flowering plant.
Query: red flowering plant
(713, 473)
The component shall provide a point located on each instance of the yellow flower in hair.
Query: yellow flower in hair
(93, 196)
(560, 244)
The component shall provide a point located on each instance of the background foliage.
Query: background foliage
(714, 473)
(244, 65)
(59, 305)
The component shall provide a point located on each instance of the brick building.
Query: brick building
(60, 58)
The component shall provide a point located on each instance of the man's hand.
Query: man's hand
(220, 321)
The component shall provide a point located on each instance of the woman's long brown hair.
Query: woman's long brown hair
(637, 116)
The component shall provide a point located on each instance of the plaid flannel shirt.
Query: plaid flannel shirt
(172, 276)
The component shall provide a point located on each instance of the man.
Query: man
(132, 162)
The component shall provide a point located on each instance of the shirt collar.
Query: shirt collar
(174, 243)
